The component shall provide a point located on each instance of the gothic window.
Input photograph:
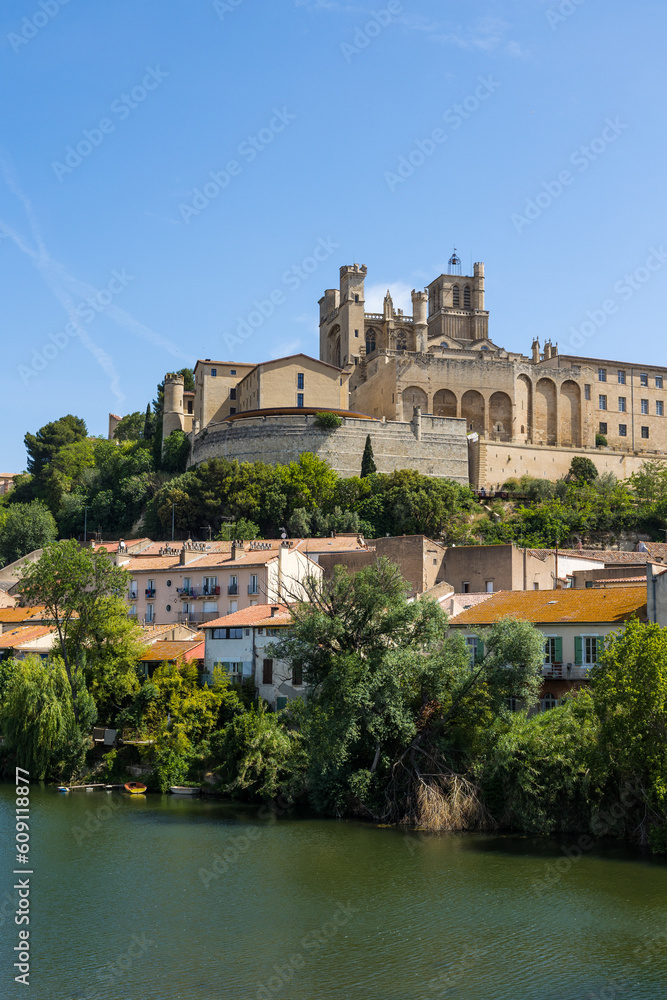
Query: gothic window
(401, 342)
(456, 301)
(466, 297)
(370, 341)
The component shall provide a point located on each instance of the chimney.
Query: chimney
(274, 610)
(234, 550)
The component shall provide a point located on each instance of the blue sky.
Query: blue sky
(292, 118)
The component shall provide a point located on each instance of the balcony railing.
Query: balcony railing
(253, 588)
(150, 591)
(133, 595)
(233, 589)
(566, 671)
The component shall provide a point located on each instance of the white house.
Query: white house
(239, 643)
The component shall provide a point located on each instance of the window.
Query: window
(226, 633)
(133, 611)
(299, 380)
(356, 298)
(233, 606)
(621, 404)
(475, 648)
(489, 586)
(644, 406)
(622, 430)
(602, 428)
(232, 409)
(253, 586)
(621, 377)
(210, 584)
(549, 701)
(553, 650)
(189, 406)
(602, 374)
(466, 588)
(645, 432)
(658, 381)
(150, 612)
(602, 402)
(299, 400)
(150, 588)
(232, 371)
(587, 392)
(659, 408)
(590, 649)
(536, 585)
(232, 393)
(466, 297)
(134, 592)
(297, 675)
(233, 585)
(456, 297)
(643, 379)
(214, 372)
(267, 671)
(370, 341)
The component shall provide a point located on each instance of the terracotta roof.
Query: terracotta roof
(130, 543)
(608, 556)
(20, 614)
(259, 615)
(174, 650)
(152, 633)
(20, 636)
(199, 560)
(656, 550)
(616, 604)
(466, 601)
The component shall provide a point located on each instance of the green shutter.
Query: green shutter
(480, 650)
(559, 649)
(600, 648)
(578, 650)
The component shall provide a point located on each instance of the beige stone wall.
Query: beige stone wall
(502, 567)
(492, 463)
(276, 384)
(419, 558)
(214, 392)
(436, 446)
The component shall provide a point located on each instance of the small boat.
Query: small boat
(183, 790)
(135, 788)
(61, 788)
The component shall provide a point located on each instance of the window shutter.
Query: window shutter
(480, 650)
(281, 703)
(578, 650)
(600, 647)
(559, 649)
(267, 672)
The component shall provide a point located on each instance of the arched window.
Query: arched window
(466, 297)
(401, 342)
(456, 302)
(370, 341)
(549, 701)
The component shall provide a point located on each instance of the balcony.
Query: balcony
(150, 591)
(133, 595)
(198, 616)
(566, 671)
(253, 589)
(233, 589)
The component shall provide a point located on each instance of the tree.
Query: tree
(79, 589)
(242, 530)
(131, 427)
(38, 721)
(149, 424)
(43, 446)
(175, 452)
(25, 527)
(258, 758)
(629, 687)
(368, 466)
(582, 470)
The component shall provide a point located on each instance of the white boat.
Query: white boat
(183, 790)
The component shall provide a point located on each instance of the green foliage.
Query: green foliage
(257, 757)
(38, 720)
(43, 446)
(175, 452)
(242, 530)
(131, 427)
(600, 441)
(25, 527)
(582, 470)
(368, 467)
(540, 776)
(328, 421)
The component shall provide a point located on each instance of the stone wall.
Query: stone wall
(434, 446)
(492, 463)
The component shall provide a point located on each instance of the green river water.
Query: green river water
(311, 909)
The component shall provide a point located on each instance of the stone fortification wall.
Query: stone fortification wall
(434, 446)
(492, 463)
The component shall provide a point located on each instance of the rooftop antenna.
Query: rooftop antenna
(454, 264)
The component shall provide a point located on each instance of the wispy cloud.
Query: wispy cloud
(70, 291)
(400, 294)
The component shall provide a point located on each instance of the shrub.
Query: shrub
(600, 441)
(328, 421)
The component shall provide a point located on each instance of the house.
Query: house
(419, 558)
(239, 643)
(477, 569)
(6, 481)
(178, 651)
(574, 623)
(12, 618)
(187, 583)
(33, 640)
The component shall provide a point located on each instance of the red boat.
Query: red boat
(135, 788)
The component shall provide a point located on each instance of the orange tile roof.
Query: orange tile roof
(259, 615)
(174, 650)
(142, 564)
(21, 614)
(616, 604)
(19, 636)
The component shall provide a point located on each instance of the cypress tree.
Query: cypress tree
(368, 462)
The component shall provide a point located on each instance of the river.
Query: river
(162, 898)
